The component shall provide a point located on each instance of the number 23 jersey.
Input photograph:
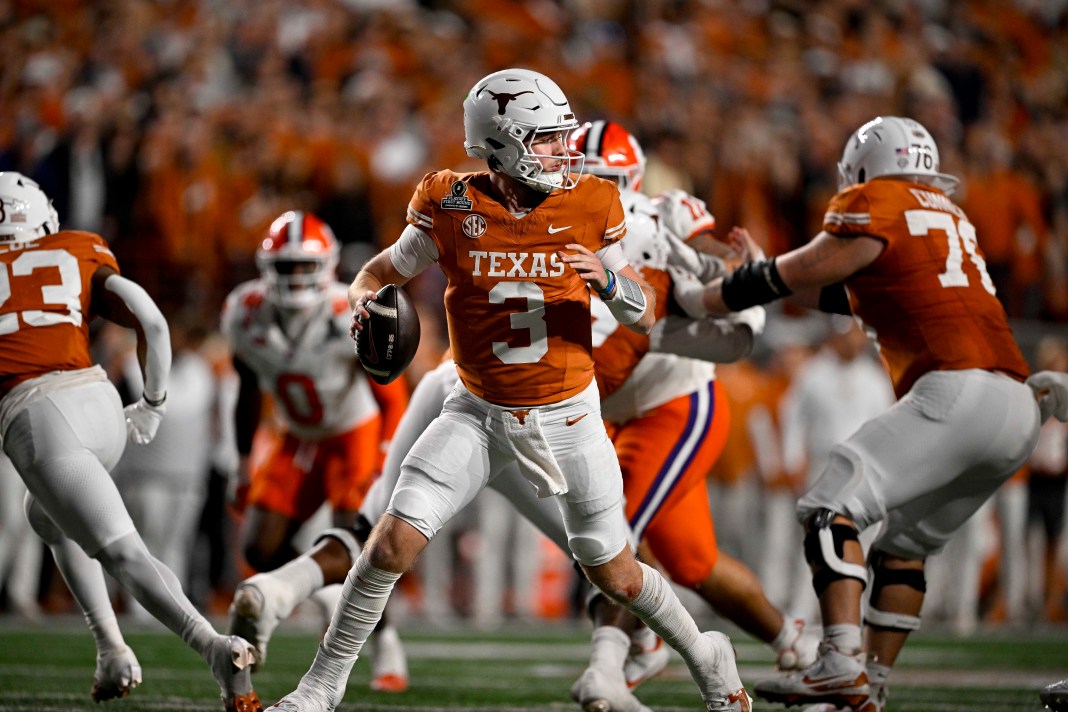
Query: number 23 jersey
(45, 291)
(927, 300)
(519, 317)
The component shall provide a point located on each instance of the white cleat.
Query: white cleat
(389, 665)
(304, 700)
(597, 690)
(258, 607)
(717, 677)
(230, 659)
(117, 672)
(801, 652)
(645, 663)
(835, 678)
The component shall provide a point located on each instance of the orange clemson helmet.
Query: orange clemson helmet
(611, 152)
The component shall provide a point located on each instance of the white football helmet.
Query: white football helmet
(892, 146)
(26, 213)
(683, 215)
(507, 110)
(297, 259)
(642, 245)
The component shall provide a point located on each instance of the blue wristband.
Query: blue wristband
(607, 291)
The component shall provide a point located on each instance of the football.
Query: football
(389, 339)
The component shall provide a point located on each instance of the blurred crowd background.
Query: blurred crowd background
(178, 129)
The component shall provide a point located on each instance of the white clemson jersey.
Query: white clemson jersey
(313, 376)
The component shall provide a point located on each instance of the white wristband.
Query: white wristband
(627, 304)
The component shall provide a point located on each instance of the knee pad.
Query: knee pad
(883, 576)
(890, 620)
(414, 506)
(41, 523)
(824, 546)
(347, 537)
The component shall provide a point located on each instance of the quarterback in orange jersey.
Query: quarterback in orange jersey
(900, 256)
(288, 332)
(63, 426)
(521, 245)
(668, 418)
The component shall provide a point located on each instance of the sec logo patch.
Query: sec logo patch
(474, 226)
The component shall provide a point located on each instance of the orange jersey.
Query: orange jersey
(519, 317)
(45, 289)
(927, 299)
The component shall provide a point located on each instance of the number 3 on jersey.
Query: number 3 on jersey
(533, 320)
(958, 232)
(67, 293)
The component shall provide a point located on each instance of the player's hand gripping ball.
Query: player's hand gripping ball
(389, 338)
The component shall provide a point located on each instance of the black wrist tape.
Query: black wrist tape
(752, 284)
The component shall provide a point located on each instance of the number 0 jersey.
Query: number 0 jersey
(45, 291)
(519, 317)
(927, 300)
(314, 379)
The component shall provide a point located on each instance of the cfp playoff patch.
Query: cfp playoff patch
(457, 198)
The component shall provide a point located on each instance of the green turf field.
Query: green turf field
(50, 667)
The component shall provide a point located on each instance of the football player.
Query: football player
(63, 426)
(521, 244)
(897, 253)
(288, 332)
(668, 419)
(294, 582)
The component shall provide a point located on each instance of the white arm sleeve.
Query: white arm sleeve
(612, 257)
(157, 336)
(413, 251)
(712, 339)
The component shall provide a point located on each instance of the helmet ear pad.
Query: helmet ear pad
(504, 157)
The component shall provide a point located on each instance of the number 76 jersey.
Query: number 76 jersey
(45, 288)
(927, 300)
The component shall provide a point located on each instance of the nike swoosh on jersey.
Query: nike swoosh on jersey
(554, 230)
(572, 421)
